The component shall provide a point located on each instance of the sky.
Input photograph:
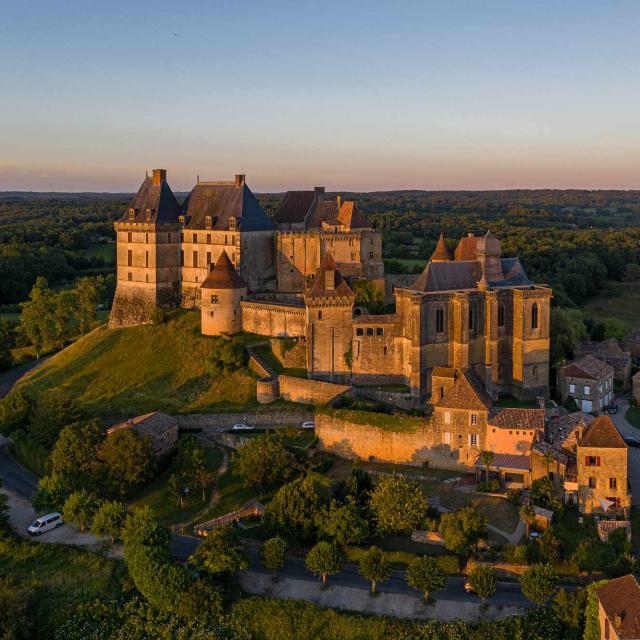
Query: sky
(352, 95)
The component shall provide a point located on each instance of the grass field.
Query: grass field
(120, 372)
(621, 301)
(157, 496)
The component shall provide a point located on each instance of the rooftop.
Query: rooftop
(512, 418)
(467, 392)
(223, 275)
(620, 599)
(602, 433)
(587, 367)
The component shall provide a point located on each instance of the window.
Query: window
(384, 351)
(182, 257)
(370, 255)
(148, 215)
(500, 314)
(592, 461)
(439, 320)
(379, 331)
(195, 238)
(534, 373)
(446, 437)
(214, 299)
(359, 332)
(447, 417)
(534, 315)
(572, 388)
(473, 439)
(369, 331)
(129, 237)
(132, 214)
(146, 258)
(471, 318)
(182, 236)
(195, 258)
(319, 315)
(208, 258)
(474, 418)
(613, 483)
(232, 223)
(592, 482)
(207, 224)
(129, 258)
(587, 389)
(208, 238)
(129, 276)
(233, 240)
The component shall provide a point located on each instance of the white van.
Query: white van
(45, 523)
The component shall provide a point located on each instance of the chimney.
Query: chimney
(317, 192)
(159, 176)
(469, 235)
(239, 181)
(339, 201)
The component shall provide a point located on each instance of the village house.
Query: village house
(631, 344)
(160, 428)
(619, 609)
(609, 351)
(589, 381)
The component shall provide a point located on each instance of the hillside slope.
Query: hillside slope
(118, 372)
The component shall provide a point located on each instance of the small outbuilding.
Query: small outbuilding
(161, 429)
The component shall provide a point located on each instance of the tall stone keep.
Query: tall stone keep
(222, 292)
(148, 253)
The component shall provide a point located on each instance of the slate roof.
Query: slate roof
(467, 392)
(153, 424)
(318, 288)
(441, 252)
(608, 351)
(587, 367)
(602, 433)
(507, 461)
(223, 275)
(513, 418)
(222, 200)
(159, 199)
(620, 599)
(294, 206)
(335, 212)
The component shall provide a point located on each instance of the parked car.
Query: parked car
(612, 408)
(241, 427)
(42, 524)
(632, 442)
(308, 425)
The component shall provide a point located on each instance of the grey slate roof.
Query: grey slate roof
(507, 461)
(294, 206)
(159, 199)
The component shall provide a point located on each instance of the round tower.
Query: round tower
(222, 292)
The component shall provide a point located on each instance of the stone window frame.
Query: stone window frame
(232, 223)
(447, 417)
(501, 314)
(473, 419)
(446, 437)
(440, 323)
(593, 482)
(132, 214)
(207, 223)
(535, 316)
(359, 331)
(214, 299)
(473, 439)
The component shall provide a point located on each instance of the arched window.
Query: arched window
(501, 314)
(439, 320)
(534, 316)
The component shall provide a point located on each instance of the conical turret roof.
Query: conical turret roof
(441, 254)
(224, 275)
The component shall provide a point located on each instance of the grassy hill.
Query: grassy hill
(118, 372)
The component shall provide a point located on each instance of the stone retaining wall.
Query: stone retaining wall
(309, 391)
(258, 418)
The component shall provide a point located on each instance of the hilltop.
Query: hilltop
(118, 372)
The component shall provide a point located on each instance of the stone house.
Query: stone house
(602, 461)
(160, 428)
(631, 344)
(635, 390)
(609, 351)
(589, 381)
(619, 609)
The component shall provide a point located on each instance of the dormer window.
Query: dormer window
(232, 223)
(148, 215)
(181, 220)
(207, 222)
(132, 214)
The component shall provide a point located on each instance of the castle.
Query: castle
(293, 276)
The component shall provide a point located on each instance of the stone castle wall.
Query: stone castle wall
(309, 391)
(271, 319)
(262, 417)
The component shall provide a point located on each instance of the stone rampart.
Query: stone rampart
(309, 391)
(271, 319)
(260, 418)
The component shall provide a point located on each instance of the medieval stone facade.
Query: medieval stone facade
(293, 276)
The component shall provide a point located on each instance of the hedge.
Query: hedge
(389, 422)
(448, 563)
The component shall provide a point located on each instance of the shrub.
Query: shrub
(483, 580)
(273, 554)
(398, 504)
(539, 583)
(79, 509)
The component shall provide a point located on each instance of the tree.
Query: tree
(226, 356)
(342, 523)
(528, 516)
(369, 295)
(74, 454)
(221, 552)
(15, 411)
(37, 322)
(324, 559)
(486, 457)
(569, 608)
(358, 486)
(175, 486)
(109, 519)
(425, 575)
(542, 494)
(51, 493)
(539, 583)
(202, 478)
(64, 304)
(397, 504)
(375, 566)
(6, 359)
(632, 272)
(614, 328)
(294, 509)
(462, 529)
(79, 509)
(263, 462)
(127, 459)
(53, 410)
(483, 580)
(88, 292)
(273, 553)
(550, 547)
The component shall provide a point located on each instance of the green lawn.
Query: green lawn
(120, 372)
(157, 496)
(633, 416)
(58, 576)
(620, 301)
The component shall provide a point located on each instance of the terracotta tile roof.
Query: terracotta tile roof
(158, 199)
(466, 249)
(507, 461)
(294, 206)
(602, 433)
(318, 287)
(608, 351)
(561, 431)
(441, 252)
(620, 599)
(588, 367)
(513, 418)
(542, 447)
(467, 392)
(351, 217)
(221, 201)
(223, 275)
(322, 211)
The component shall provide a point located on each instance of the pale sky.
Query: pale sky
(352, 95)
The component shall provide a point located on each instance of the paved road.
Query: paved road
(627, 429)
(15, 477)
(8, 379)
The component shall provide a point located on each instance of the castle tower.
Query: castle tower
(222, 292)
(489, 253)
(147, 253)
(329, 304)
